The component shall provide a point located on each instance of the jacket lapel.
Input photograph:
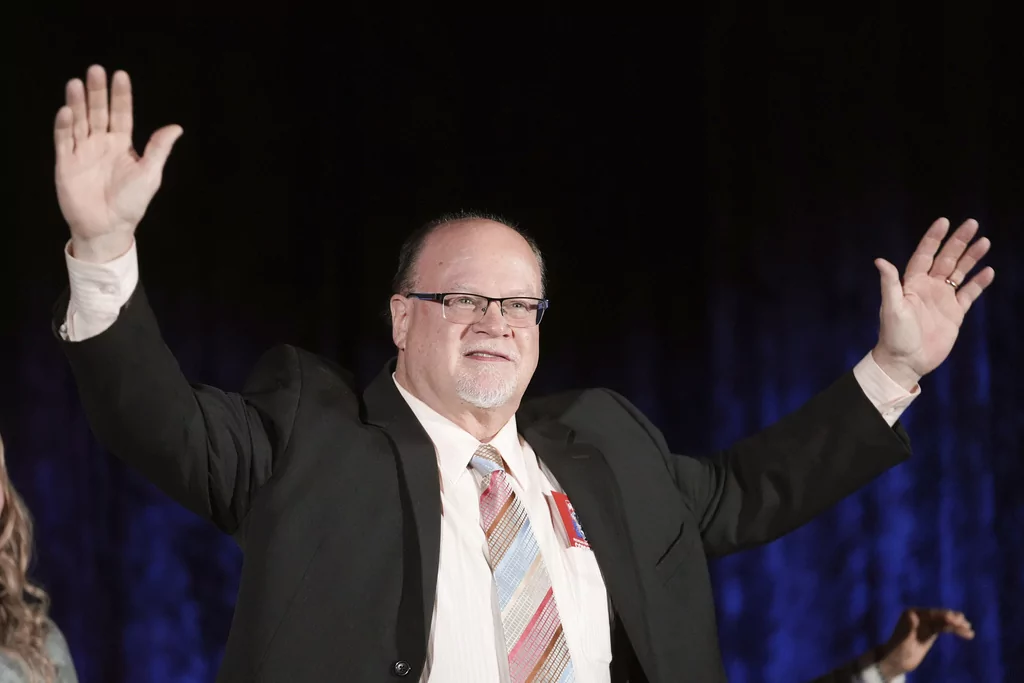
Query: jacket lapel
(420, 493)
(587, 480)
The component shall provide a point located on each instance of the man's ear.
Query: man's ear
(399, 320)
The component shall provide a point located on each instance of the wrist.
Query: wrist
(888, 669)
(100, 249)
(897, 370)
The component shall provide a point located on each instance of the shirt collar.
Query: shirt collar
(455, 446)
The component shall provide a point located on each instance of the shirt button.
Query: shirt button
(401, 668)
(108, 289)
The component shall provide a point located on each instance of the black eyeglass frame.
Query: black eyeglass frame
(438, 297)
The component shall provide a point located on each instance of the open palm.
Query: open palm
(103, 185)
(921, 316)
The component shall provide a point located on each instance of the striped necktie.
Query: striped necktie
(534, 641)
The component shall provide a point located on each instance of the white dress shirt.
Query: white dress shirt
(465, 641)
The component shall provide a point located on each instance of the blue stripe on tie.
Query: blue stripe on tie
(567, 674)
(484, 464)
(516, 562)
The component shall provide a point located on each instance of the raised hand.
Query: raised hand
(103, 185)
(915, 633)
(921, 316)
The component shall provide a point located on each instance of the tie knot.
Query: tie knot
(486, 459)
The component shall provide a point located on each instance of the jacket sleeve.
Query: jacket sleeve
(208, 449)
(782, 477)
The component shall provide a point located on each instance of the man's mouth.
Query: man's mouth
(487, 356)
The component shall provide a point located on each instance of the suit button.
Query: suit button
(401, 668)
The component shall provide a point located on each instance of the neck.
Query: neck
(482, 424)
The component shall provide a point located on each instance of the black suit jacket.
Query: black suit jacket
(333, 495)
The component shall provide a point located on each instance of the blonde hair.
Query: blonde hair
(24, 606)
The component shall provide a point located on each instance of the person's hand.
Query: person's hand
(103, 186)
(921, 316)
(915, 633)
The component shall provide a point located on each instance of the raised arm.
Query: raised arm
(773, 482)
(210, 450)
(779, 479)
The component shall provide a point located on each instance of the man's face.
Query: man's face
(486, 364)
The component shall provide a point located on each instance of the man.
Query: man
(913, 636)
(421, 529)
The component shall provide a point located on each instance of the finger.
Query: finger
(940, 615)
(957, 623)
(937, 621)
(966, 264)
(63, 138)
(921, 260)
(947, 618)
(953, 249)
(954, 619)
(75, 96)
(969, 293)
(159, 147)
(121, 120)
(964, 631)
(96, 88)
(892, 288)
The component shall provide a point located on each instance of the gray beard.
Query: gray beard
(484, 395)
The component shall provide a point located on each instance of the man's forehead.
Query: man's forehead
(487, 258)
(504, 271)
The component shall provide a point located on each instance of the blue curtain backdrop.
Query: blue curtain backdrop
(710, 190)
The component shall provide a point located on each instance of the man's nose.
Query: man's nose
(493, 322)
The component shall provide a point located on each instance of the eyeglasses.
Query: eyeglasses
(466, 309)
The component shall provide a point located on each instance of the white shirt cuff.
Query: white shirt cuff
(873, 675)
(883, 391)
(98, 291)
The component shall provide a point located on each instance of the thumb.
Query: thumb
(892, 288)
(159, 147)
(915, 620)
